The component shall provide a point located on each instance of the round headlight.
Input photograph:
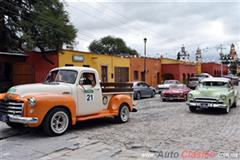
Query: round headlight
(190, 95)
(32, 101)
(223, 97)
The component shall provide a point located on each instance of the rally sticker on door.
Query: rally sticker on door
(89, 97)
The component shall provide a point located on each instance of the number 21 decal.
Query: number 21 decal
(89, 97)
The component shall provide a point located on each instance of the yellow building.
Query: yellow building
(110, 68)
(198, 68)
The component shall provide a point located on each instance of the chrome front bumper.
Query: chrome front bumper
(209, 105)
(24, 120)
(173, 98)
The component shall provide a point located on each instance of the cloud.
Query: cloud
(166, 24)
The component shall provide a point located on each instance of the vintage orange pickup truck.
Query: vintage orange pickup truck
(68, 95)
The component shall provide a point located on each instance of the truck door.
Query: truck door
(89, 94)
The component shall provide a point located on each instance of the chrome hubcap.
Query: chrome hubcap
(124, 113)
(59, 122)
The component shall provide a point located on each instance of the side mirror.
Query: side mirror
(81, 81)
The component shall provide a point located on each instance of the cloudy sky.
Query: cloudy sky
(167, 25)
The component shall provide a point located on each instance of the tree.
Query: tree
(111, 45)
(30, 24)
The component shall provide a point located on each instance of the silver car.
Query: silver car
(142, 89)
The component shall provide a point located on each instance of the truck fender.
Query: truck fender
(45, 103)
(116, 101)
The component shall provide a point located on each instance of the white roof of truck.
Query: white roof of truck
(215, 79)
(79, 69)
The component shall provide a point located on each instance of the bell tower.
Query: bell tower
(233, 53)
(198, 55)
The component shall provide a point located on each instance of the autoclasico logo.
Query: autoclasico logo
(185, 154)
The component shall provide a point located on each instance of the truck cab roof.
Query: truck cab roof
(78, 69)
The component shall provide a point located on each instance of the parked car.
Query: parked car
(213, 93)
(193, 82)
(166, 84)
(142, 89)
(203, 75)
(175, 92)
(234, 79)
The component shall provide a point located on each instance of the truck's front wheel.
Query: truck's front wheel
(123, 114)
(56, 122)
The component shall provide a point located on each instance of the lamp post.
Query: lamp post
(221, 59)
(145, 55)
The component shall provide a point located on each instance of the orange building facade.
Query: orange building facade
(153, 70)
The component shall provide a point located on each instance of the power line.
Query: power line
(116, 27)
(123, 16)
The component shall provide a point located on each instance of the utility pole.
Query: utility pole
(145, 56)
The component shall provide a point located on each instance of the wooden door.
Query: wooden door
(121, 74)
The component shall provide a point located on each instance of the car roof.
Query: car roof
(215, 79)
(135, 82)
(171, 80)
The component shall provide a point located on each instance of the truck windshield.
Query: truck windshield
(214, 84)
(66, 76)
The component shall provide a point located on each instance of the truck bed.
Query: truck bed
(116, 87)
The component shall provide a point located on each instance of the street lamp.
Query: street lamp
(145, 55)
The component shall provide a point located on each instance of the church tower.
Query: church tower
(198, 55)
(233, 53)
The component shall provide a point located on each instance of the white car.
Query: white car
(166, 85)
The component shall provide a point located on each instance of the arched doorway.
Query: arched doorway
(168, 76)
(184, 78)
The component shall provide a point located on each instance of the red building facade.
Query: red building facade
(181, 72)
(41, 65)
(214, 69)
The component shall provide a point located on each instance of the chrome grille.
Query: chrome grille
(171, 95)
(206, 100)
(11, 108)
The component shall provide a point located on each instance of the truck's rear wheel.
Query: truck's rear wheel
(123, 114)
(56, 122)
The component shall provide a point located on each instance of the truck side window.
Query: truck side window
(89, 79)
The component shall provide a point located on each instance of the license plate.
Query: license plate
(3, 117)
(204, 105)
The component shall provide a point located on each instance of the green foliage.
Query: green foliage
(111, 45)
(35, 23)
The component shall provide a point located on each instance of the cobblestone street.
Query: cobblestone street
(156, 129)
